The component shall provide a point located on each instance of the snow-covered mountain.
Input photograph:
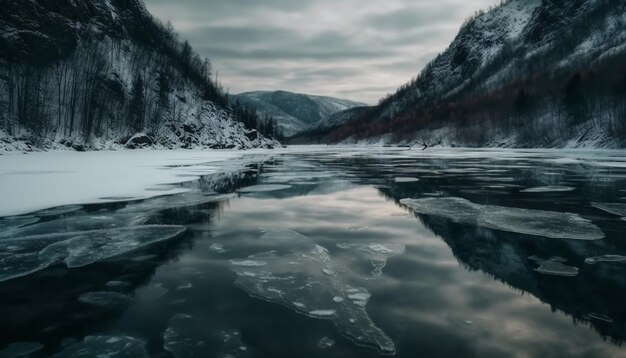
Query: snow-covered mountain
(525, 73)
(318, 131)
(92, 74)
(294, 111)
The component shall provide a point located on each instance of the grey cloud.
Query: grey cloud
(359, 49)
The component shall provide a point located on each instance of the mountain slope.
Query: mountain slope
(318, 131)
(525, 73)
(91, 74)
(293, 111)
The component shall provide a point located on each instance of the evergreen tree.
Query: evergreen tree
(163, 89)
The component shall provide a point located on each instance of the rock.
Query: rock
(139, 140)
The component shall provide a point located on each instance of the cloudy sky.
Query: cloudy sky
(354, 49)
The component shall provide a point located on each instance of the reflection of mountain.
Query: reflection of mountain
(44, 306)
(595, 295)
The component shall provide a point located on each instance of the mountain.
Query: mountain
(92, 74)
(318, 131)
(293, 111)
(527, 73)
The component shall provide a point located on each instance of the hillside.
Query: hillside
(293, 111)
(318, 131)
(527, 73)
(96, 74)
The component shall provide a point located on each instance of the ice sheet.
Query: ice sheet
(192, 198)
(104, 299)
(559, 225)
(45, 180)
(188, 337)
(405, 180)
(548, 189)
(300, 275)
(618, 209)
(105, 347)
(263, 188)
(605, 258)
(554, 266)
(377, 253)
(25, 255)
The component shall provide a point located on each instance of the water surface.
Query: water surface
(500, 254)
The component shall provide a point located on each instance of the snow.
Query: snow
(559, 225)
(36, 181)
(300, 275)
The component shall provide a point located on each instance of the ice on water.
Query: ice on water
(300, 274)
(13, 223)
(377, 253)
(106, 346)
(618, 209)
(104, 299)
(559, 225)
(405, 180)
(191, 198)
(554, 266)
(263, 188)
(549, 189)
(76, 224)
(188, 337)
(326, 343)
(605, 258)
(25, 255)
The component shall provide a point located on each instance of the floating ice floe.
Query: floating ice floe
(618, 209)
(548, 189)
(377, 253)
(263, 188)
(219, 248)
(405, 180)
(554, 266)
(76, 224)
(106, 346)
(300, 275)
(186, 337)
(326, 343)
(25, 255)
(21, 349)
(105, 299)
(605, 258)
(598, 317)
(192, 198)
(559, 225)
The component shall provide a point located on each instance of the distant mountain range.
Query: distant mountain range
(526, 73)
(293, 111)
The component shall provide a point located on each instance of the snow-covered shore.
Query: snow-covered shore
(37, 181)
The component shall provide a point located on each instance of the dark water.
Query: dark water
(288, 272)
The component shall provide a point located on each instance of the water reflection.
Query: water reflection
(431, 280)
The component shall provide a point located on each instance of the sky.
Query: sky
(354, 49)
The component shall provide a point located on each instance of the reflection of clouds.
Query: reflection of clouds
(348, 43)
